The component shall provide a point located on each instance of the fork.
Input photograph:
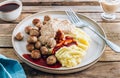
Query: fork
(78, 23)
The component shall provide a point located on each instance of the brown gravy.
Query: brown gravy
(8, 7)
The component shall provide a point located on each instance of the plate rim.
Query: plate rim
(25, 60)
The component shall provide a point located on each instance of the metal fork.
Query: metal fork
(77, 22)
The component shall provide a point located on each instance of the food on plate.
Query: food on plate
(47, 18)
(32, 39)
(30, 47)
(44, 50)
(35, 21)
(51, 60)
(27, 29)
(19, 36)
(70, 56)
(38, 45)
(39, 25)
(51, 42)
(60, 37)
(57, 42)
(35, 28)
(35, 54)
(44, 22)
(34, 32)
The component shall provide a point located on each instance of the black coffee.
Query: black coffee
(8, 7)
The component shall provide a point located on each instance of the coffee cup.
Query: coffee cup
(10, 10)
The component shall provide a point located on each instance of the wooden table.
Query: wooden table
(109, 64)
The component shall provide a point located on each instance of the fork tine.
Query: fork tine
(75, 15)
(72, 16)
(78, 21)
(69, 16)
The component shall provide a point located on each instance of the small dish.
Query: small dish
(97, 45)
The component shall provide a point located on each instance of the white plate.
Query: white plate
(95, 50)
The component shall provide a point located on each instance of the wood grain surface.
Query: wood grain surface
(108, 65)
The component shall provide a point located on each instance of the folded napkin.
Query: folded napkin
(10, 68)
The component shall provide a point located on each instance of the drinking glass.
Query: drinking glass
(109, 7)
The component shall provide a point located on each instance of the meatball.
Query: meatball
(35, 21)
(38, 45)
(35, 54)
(35, 28)
(44, 22)
(47, 18)
(51, 42)
(51, 60)
(30, 47)
(19, 36)
(34, 32)
(32, 39)
(39, 25)
(27, 29)
(44, 50)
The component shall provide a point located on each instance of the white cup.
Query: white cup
(11, 15)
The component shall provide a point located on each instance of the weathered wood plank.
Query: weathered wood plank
(5, 41)
(93, 9)
(10, 53)
(112, 31)
(56, 0)
(94, 16)
(60, 2)
(6, 29)
(98, 70)
(109, 55)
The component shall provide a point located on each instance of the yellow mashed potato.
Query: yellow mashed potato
(72, 55)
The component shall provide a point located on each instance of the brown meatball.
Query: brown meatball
(32, 39)
(51, 60)
(30, 47)
(34, 32)
(39, 25)
(35, 21)
(44, 50)
(35, 28)
(27, 29)
(44, 22)
(38, 45)
(47, 18)
(35, 54)
(19, 36)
